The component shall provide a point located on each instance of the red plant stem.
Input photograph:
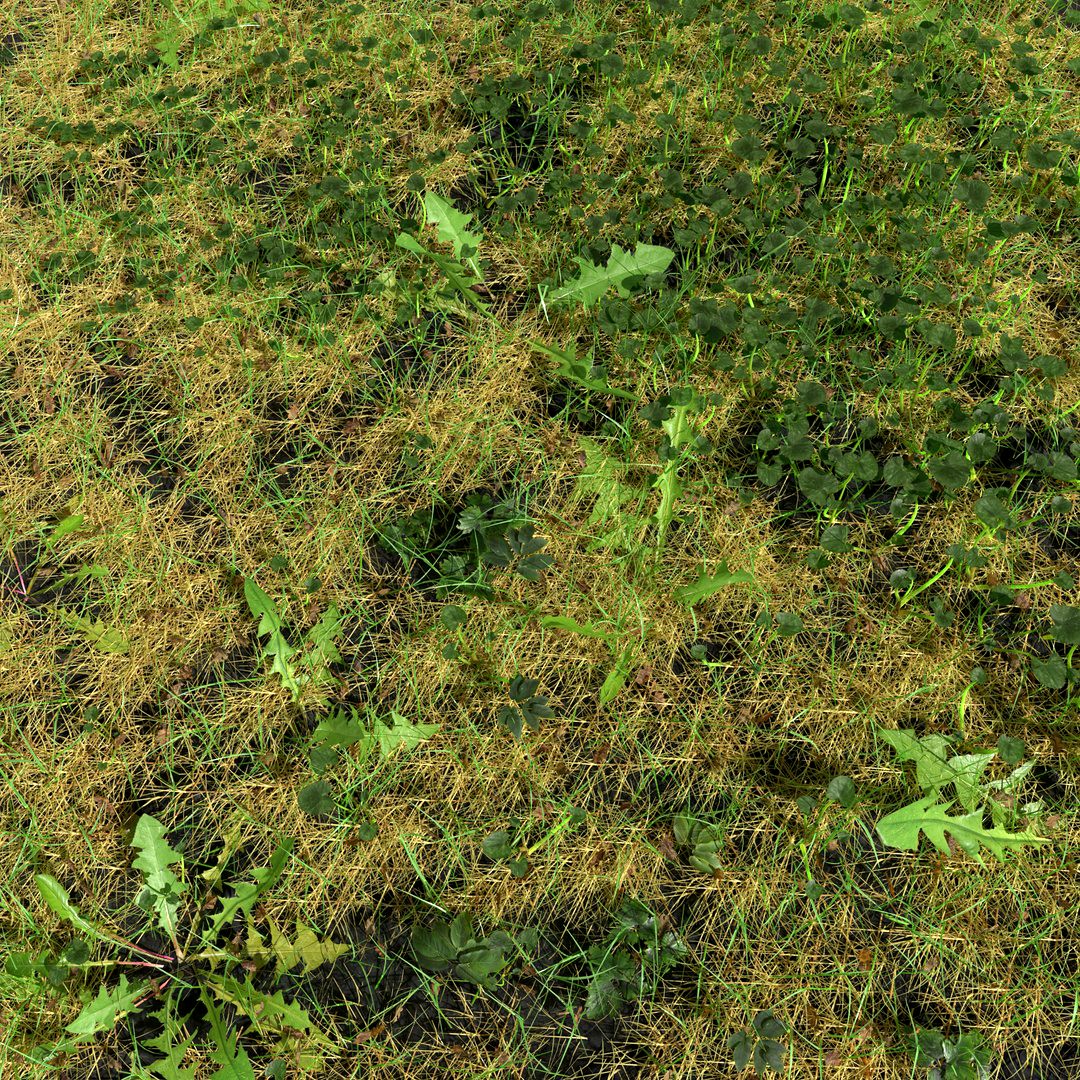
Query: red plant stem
(153, 993)
(145, 952)
(18, 570)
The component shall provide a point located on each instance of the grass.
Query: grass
(216, 355)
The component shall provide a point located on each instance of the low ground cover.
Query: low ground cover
(539, 539)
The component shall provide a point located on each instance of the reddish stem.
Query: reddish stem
(18, 570)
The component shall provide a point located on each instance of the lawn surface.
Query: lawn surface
(507, 462)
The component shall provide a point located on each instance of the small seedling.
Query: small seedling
(528, 707)
(760, 1045)
(368, 740)
(310, 665)
(701, 839)
(966, 1057)
(638, 946)
(453, 947)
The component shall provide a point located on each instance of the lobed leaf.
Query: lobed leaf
(902, 829)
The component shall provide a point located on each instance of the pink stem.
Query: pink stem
(18, 569)
(145, 952)
(153, 993)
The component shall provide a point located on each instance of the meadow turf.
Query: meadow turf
(502, 468)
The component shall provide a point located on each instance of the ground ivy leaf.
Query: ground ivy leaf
(316, 799)
(1066, 622)
(1051, 673)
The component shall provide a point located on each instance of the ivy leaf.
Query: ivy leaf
(1066, 622)
(451, 226)
(594, 281)
(498, 846)
(992, 511)
(155, 858)
(1052, 673)
(842, 789)
(952, 471)
(835, 539)
(901, 829)
(316, 799)
(479, 963)
(816, 485)
(705, 585)
(110, 1005)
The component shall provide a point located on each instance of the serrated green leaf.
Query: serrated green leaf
(968, 770)
(306, 949)
(246, 893)
(561, 622)
(262, 607)
(170, 1066)
(706, 585)
(56, 896)
(225, 1051)
(594, 281)
(616, 679)
(902, 828)
(340, 729)
(68, 525)
(451, 225)
(95, 632)
(932, 769)
(456, 274)
(577, 371)
(265, 1011)
(154, 861)
(110, 1005)
(400, 734)
(322, 637)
